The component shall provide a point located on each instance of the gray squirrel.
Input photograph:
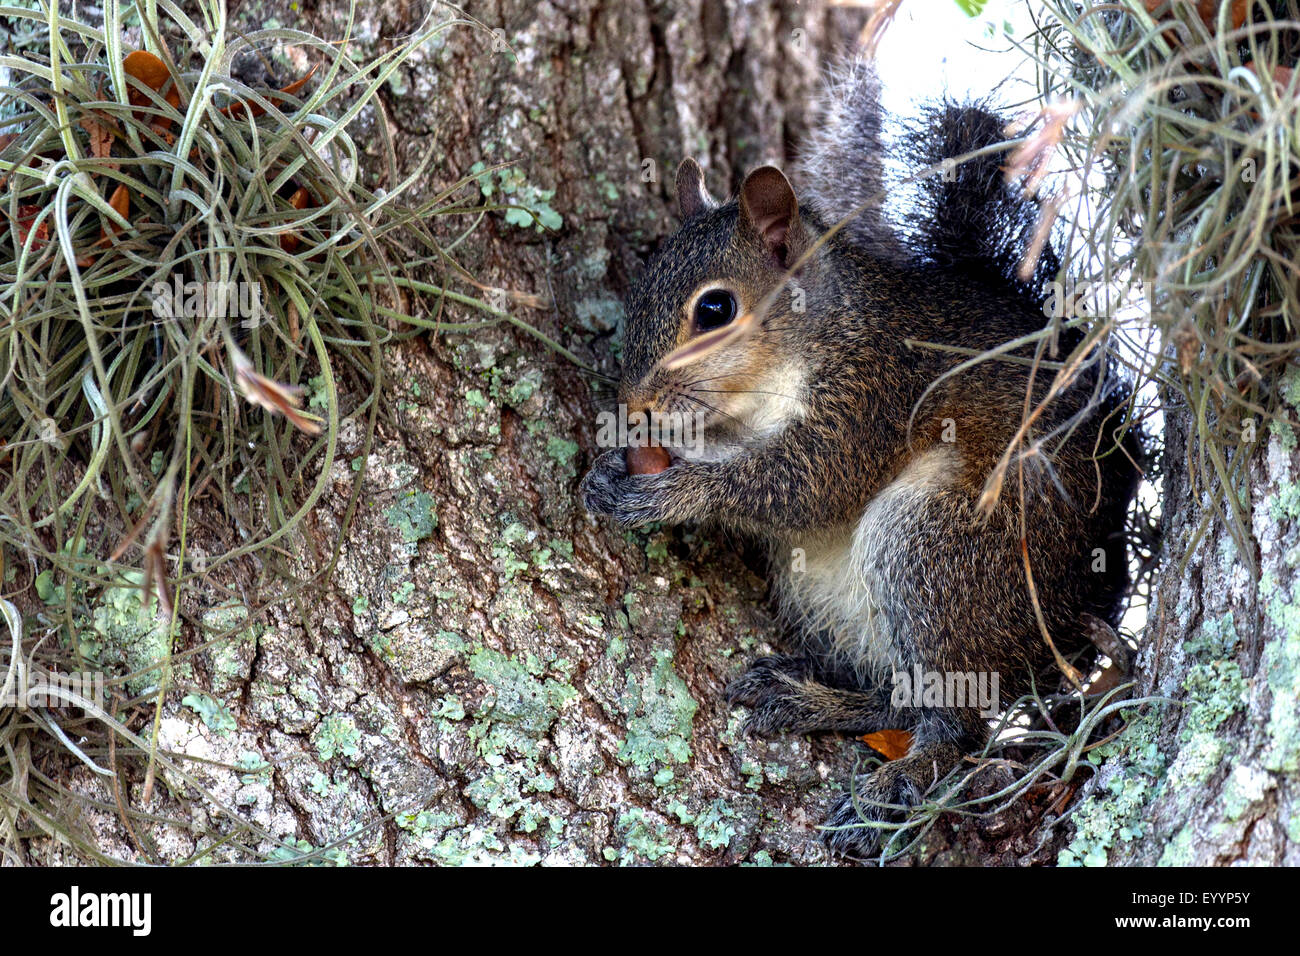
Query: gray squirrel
(831, 435)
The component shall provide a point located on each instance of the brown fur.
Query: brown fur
(874, 496)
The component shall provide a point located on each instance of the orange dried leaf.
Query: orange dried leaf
(26, 218)
(289, 241)
(1106, 681)
(153, 73)
(1281, 76)
(1207, 10)
(101, 136)
(274, 397)
(121, 203)
(149, 70)
(890, 744)
(120, 200)
(293, 88)
(155, 576)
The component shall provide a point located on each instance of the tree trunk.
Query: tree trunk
(1213, 777)
(489, 675)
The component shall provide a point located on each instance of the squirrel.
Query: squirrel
(858, 453)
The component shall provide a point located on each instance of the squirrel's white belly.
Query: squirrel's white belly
(835, 583)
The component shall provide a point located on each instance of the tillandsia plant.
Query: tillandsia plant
(1183, 134)
(181, 253)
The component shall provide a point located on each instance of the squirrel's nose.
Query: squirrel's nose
(641, 397)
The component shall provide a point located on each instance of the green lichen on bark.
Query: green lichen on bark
(1213, 777)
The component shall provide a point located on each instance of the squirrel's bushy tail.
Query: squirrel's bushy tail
(968, 217)
(841, 165)
(963, 217)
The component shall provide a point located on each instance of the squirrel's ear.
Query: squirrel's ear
(692, 197)
(768, 205)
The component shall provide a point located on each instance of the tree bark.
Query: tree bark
(1213, 776)
(490, 676)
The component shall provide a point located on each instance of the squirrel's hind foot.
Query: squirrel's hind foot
(866, 820)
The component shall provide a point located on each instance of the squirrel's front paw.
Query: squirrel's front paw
(772, 689)
(635, 500)
(601, 487)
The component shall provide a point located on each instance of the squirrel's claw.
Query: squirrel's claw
(599, 488)
(770, 690)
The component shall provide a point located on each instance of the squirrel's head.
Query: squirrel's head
(712, 324)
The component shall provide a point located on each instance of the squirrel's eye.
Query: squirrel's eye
(714, 309)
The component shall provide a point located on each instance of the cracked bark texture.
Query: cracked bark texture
(490, 676)
(1213, 777)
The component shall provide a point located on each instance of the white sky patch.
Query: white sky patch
(933, 48)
